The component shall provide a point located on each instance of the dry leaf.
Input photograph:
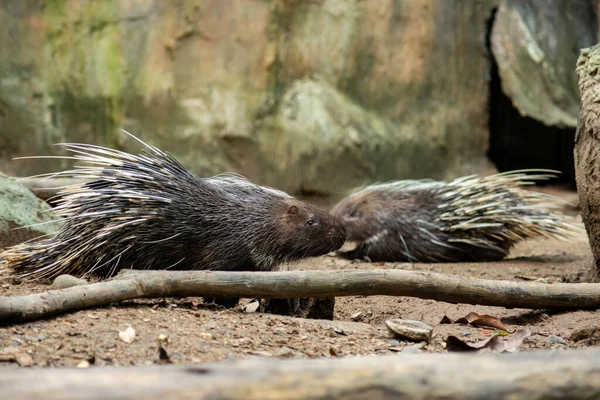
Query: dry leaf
(475, 319)
(496, 343)
(128, 335)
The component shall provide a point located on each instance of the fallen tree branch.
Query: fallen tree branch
(305, 284)
(571, 374)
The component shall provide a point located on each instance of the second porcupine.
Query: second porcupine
(468, 219)
(148, 212)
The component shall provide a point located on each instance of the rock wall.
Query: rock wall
(311, 97)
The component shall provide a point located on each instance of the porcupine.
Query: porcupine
(468, 219)
(147, 211)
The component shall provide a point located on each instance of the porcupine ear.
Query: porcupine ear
(292, 210)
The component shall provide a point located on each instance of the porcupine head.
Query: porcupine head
(149, 212)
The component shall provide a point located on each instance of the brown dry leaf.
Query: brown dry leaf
(475, 319)
(128, 335)
(496, 344)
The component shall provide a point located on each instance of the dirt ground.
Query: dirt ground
(198, 332)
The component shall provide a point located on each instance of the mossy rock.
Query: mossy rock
(23, 216)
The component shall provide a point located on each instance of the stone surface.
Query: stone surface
(536, 47)
(22, 215)
(307, 96)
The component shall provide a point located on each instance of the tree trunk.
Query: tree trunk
(587, 150)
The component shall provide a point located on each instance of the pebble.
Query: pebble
(24, 360)
(285, 352)
(66, 281)
(556, 339)
(356, 316)
(409, 329)
(585, 333)
(465, 332)
(394, 342)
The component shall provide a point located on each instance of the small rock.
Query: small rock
(163, 339)
(252, 306)
(285, 352)
(465, 332)
(585, 333)
(412, 330)
(128, 335)
(356, 316)
(394, 342)
(83, 364)
(259, 353)
(339, 331)
(67, 281)
(24, 360)
(555, 339)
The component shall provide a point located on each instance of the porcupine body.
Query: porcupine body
(468, 219)
(148, 212)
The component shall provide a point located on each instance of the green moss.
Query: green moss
(20, 207)
(86, 69)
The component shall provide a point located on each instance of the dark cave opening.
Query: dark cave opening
(518, 142)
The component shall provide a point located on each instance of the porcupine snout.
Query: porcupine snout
(337, 234)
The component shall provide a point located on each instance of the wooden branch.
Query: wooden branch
(311, 284)
(570, 374)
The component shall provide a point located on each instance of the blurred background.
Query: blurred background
(314, 97)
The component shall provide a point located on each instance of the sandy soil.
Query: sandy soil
(198, 332)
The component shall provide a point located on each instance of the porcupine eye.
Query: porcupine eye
(351, 214)
(310, 222)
